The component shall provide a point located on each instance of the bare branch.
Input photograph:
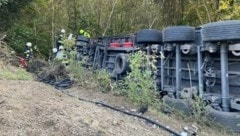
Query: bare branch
(197, 11)
(154, 20)
(109, 18)
(208, 13)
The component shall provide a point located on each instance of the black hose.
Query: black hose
(130, 114)
(58, 84)
(67, 83)
(142, 117)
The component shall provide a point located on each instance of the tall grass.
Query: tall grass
(86, 77)
(17, 74)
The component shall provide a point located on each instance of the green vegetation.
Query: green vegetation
(138, 84)
(80, 74)
(97, 80)
(103, 81)
(199, 112)
(17, 74)
(39, 21)
(3, 2)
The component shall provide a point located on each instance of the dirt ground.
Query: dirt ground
(30, 108)
(33, 108)
(173, 121)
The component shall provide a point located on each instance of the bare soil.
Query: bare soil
(7, 55)
(33, 108)
(29, 108)
(175, 122)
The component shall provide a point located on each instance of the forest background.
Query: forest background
(39, 21)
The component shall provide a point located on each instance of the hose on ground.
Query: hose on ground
(67, 83)
(58, 84)
(175, 133)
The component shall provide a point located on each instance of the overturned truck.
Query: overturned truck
(198, 62)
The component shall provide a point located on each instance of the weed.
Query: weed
(119, 88)
(68, 43)
(199, 113)
(79, 73)
(138, 85)
(103, 81)
(17, 74)
(97, 80)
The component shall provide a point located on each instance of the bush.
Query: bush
(98, 80)
(79, 73)
(103, 81)
(139, 83)
(199, 112)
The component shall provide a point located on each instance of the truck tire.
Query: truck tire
(221, 31)
(231, 120)
(149, 36)
(179, 34)
(121, 63)
(180, 105)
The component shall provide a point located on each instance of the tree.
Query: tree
(3, 2)
(39, 21)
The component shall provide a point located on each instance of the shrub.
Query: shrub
(98, 80)
(103, 81)
(79, 73)
(139, 84)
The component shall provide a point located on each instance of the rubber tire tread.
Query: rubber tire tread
(125, 63)
(178, 104)
(178, 34)
(221, 31)
(149, 36)
(231, 120)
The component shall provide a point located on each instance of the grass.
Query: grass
(97, 80)
(18, 74)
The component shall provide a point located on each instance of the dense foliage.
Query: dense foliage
(39, 21)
